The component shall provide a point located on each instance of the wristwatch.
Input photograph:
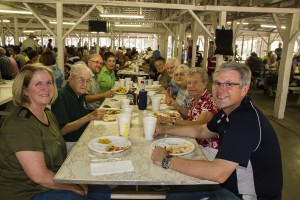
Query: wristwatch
(166, 161)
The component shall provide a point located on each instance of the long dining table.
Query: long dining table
(76, 169)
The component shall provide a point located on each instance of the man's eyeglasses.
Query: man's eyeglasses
(179, 74)
(82, 80)
(228, 85)
(97, 62)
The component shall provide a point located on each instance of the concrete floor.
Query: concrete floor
(288, 133)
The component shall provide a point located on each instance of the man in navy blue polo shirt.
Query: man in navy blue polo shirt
(248, 163)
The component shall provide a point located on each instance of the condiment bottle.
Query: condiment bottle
(142, 98)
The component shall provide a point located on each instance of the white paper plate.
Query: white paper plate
(116, 141)
(167, 113)
(175, 146)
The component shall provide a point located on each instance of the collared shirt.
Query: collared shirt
(94, 89)
(205, 104)
(164, 78)
(106, 80)
(183, 98)
(69, 107)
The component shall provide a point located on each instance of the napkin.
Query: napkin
(101, 122)
(111, 167)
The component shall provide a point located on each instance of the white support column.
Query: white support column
(59, 37)
(195, 32)
(175, 41)
(181, 31)
(98, 43)
(285, 65)
(205, 54)
(16, 35)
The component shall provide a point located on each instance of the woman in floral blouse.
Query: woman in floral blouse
(202, 106)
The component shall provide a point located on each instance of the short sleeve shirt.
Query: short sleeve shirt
(205, 104)
(106, 80)
(183, 98)
(69, 107)
(247, 138)
(94, 89)
(22, 131)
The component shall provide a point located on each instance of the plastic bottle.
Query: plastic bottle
(142, 98)
(131, 96)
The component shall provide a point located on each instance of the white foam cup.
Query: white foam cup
(149, 127)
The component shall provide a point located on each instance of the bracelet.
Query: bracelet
(166, 161)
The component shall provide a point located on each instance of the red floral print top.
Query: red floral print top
(205, 104)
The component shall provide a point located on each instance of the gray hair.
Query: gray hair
(173, 60)
(200, 71)
(2, 51)
(79, 67)
(242, 69)
(182, 66)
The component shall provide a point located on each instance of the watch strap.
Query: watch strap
(166, 161)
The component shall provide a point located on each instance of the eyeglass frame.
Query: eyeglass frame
(227, 85)
(82, 80)
(97, 62)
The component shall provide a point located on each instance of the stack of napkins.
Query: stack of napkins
(111, 167)
(101, 122)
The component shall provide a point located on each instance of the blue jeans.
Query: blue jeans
(95, 192)
(208, 192)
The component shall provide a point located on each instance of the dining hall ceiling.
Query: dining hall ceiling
(159, 15)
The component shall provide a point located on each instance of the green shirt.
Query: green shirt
(106, 80)
(22, 131)
(164, 78)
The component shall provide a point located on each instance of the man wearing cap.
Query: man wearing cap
(30, 42)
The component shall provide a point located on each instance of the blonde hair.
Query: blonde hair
(200, 71)
(23, 79)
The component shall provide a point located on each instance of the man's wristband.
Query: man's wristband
(166, 161)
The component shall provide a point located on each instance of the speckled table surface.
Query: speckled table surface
(76, 168)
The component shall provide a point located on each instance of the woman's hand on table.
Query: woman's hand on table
(97, 114)
(159, 131)
(158, 154)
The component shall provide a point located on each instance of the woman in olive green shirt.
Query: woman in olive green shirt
(31, 145)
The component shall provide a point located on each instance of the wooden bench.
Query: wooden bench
(296, 89)
(137, 192)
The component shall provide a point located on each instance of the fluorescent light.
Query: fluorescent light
(268, 26)
(16, 12)
(108, 15)
(28, 31)
(244, 23)
(128, 25)
(4, 20)
(271, 26)
(65, 23)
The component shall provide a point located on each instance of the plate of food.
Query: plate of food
(175, 146)
(169, 113)
(112, 111)
(109, 144)
(121, 90)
